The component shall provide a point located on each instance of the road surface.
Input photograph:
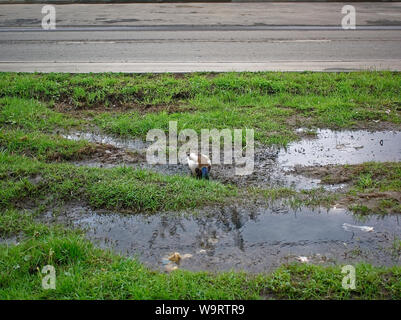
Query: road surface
(200, 37)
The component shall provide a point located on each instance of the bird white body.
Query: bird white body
(197, 161)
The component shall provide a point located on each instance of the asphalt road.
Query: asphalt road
(200, 37)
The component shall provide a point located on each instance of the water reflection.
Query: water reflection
(251, 238)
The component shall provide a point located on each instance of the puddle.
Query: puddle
(342, 147)
(129, 144)
(251, 238)
(273, 167)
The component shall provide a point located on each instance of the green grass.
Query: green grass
(137, 125)
(367, 176)
(360, 209)
(43, 146)
(271, 103)
(380, 183)
(85, 272)
(32, 115)
(30, 128)
(365, 181)
(379, 176)
(272, 194)
(89, 89)
(375, 187)
(25, 179)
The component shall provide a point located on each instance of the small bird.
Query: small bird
(200, 165)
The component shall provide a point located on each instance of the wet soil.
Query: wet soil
(251, 236)
(333, 174)
(118, 107)
(107, 152)
(373, 202)
(111, 155)
(285, 167)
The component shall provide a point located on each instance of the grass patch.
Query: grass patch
(375, 187)
(85, 272)
(376, 175)
(272, 194)
(90, 89)
(315, 197)
(272, 103)
(43, 146)
(360, 209)
(135, 124)
(22, 178)
(311, 198)
(31, 115)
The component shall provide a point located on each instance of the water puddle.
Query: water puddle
(129, 144)
(251, 238)
(273, 168)
(342, 147)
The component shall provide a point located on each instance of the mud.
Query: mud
(117, 107)
(373, 202)
(109, 152)
(276, 167)
(249, 237)
(331, 173)
(129, 144)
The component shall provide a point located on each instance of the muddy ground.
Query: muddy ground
(301, 165)
(245, 235)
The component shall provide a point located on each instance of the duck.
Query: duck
(200, 165)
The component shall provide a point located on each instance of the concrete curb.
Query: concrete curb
(169, 1)
(184, 67)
